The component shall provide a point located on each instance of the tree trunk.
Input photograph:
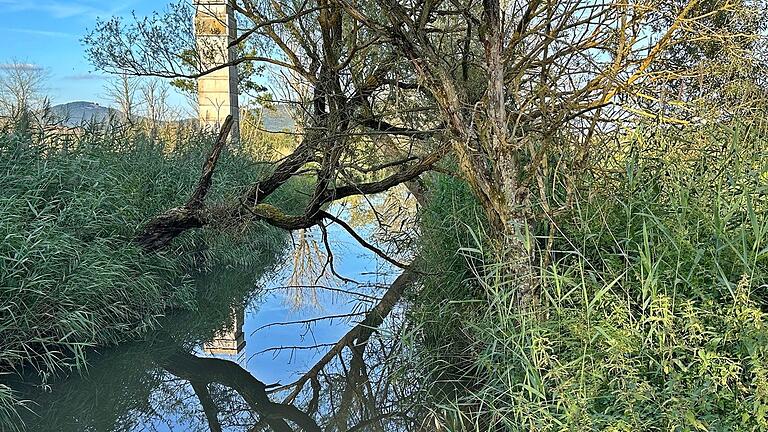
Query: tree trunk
(509, 204)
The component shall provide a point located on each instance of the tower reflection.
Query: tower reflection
(229, 340)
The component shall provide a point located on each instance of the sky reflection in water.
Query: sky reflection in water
(173, 381)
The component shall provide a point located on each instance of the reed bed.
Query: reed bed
(71, 277)
(653, 298)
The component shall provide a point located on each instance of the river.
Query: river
(229, 365)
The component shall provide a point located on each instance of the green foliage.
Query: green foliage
(70, 275)
(653, 302)
(258, 142)
(446, 224)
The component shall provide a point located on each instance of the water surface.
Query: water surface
(229, 364)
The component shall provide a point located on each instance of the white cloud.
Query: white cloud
(20, 66)
(65, 9)
(45, 33)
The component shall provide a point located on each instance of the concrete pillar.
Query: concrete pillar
(215, 28)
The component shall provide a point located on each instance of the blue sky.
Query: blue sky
(47, 33)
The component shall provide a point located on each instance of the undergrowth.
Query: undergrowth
(653, 300)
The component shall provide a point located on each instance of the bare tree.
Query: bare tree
(122, 91)
(154, 97)
(22, 88)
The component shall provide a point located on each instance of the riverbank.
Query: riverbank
(70, 276)
(652, 297)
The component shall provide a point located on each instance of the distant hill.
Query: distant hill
(80, 112)
(278, 119)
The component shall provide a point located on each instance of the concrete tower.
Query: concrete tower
(215, 28)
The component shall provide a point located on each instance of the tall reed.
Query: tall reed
(70, 276)
(653, 305)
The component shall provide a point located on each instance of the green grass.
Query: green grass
(653, 306)
(70, 275)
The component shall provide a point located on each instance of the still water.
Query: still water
(233, 364)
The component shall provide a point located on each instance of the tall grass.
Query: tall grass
(653, 306)
(70, 275)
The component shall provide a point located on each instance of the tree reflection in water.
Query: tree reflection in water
(202, 372)
(162, 384)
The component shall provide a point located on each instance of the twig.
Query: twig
(292, 348)
(339, 290)
(308, 321)
(362, 241)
